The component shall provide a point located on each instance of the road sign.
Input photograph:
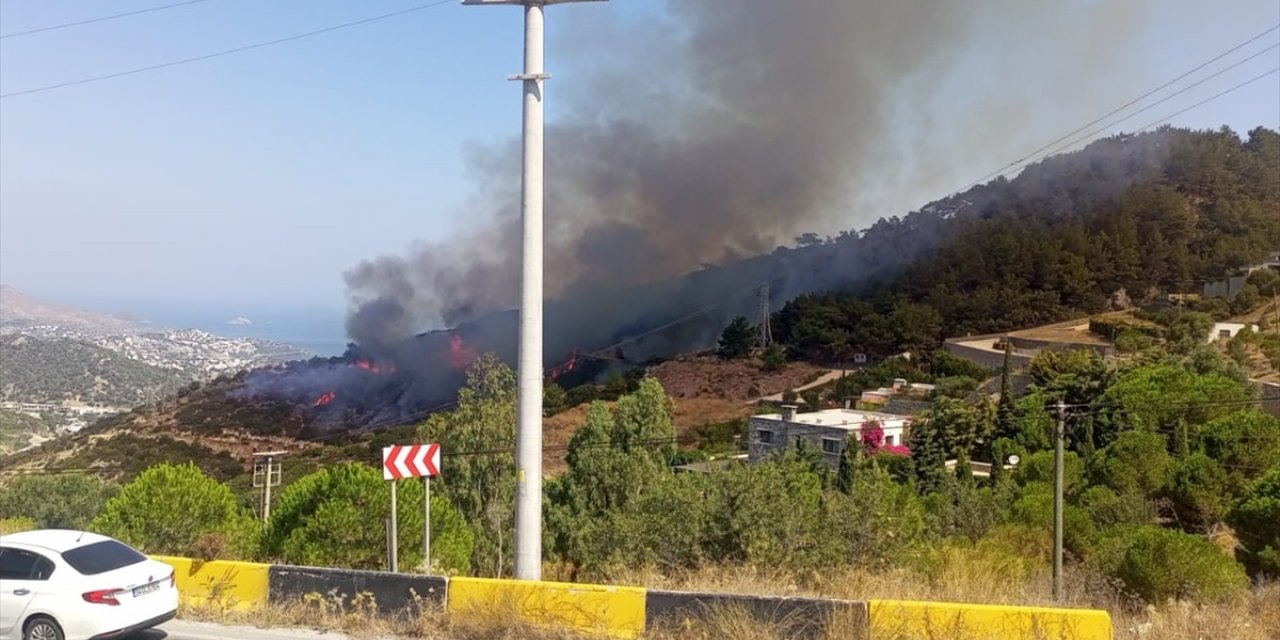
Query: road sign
(410, 461)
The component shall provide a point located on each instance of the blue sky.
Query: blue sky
(234, 183)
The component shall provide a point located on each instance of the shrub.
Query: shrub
(1136, 462)
(1108, 509)
(1158, 564)
(1197, 489)
(16, 524)
(1035, 508)
(168, 508)
(1130, 341)
(56, 501)
(335, 517)
(1256, 518)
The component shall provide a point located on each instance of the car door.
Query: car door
(22, 574)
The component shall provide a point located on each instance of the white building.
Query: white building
(827, 430)
(1228, 330)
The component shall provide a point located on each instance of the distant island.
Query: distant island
(240, 321)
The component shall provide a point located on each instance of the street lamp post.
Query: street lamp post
(528, 556)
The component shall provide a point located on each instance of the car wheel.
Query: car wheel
(42, 629)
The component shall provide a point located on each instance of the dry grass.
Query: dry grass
(957, 577)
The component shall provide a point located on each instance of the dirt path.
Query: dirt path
(830, 376)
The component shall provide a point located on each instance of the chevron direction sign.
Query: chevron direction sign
(410, 461)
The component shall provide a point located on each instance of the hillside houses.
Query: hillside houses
(827, 431)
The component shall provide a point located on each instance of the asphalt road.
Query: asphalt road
(185, 630)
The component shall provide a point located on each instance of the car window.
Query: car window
(20, 564)
(101, 557)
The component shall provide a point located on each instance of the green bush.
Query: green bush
(1034, 507)
(177, 510)
(16, 524)
(1158, 564)
(1108, 509)
(1256, 519)
(335, 518)
(1038, 468)
(1137, 462)
(1197, 490)
(56, 501)
(1131, 341)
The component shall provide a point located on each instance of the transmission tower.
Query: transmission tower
(766, 333)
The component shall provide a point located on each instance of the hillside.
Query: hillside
(19, 311)
(56, 371)
(1138, 215)
(17, 430)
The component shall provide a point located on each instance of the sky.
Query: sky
(249, 183)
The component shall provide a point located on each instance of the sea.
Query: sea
(319, 332)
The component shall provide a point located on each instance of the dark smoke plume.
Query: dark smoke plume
(721, 128)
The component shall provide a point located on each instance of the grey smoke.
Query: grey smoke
(725, 127)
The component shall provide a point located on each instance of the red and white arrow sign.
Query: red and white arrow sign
(410, 461)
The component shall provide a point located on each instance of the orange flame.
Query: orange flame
(371, 367)
(460, 355)
(560, 370)
(325, 399)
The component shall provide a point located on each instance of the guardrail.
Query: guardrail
(626, 612)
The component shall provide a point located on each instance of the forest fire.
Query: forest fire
(559, 370)
(371, 367)
(461, 355)
(326, 399)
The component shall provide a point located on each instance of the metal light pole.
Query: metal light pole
(528, 557)
(1059, 442)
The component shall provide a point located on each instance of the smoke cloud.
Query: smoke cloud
(721, 128)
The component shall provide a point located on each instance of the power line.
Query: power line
(227, 52)
(102, 19)
(1029, 157)
(1209, 99)
(1171, 96)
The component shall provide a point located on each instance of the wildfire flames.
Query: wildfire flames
(374, 368)
(460, 355)
(562, 369)
(325, 399)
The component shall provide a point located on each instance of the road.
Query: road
(186, 630)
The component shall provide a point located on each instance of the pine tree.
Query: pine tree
(737, 339)
(1005, 414)
(850, 461)
(928, 452)
(964, 472)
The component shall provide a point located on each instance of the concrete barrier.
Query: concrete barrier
(902, 620)
(391, 592)
(625, 612)
(614, 611)
(221, 584)
(792, 617)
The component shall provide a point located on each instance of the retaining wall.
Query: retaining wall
(623, 612)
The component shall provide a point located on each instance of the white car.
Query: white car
(75, 585)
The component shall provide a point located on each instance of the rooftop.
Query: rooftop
(845, 418)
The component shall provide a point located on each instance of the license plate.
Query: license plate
(146, 588)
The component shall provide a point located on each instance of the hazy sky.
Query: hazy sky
(234, 182)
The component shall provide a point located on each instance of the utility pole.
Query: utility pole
(766, 332)
(266, 474)
(1060, 435)
(528, 553)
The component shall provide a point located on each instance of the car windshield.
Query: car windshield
(101, 557)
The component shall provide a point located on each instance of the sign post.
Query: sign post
(411, 461)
